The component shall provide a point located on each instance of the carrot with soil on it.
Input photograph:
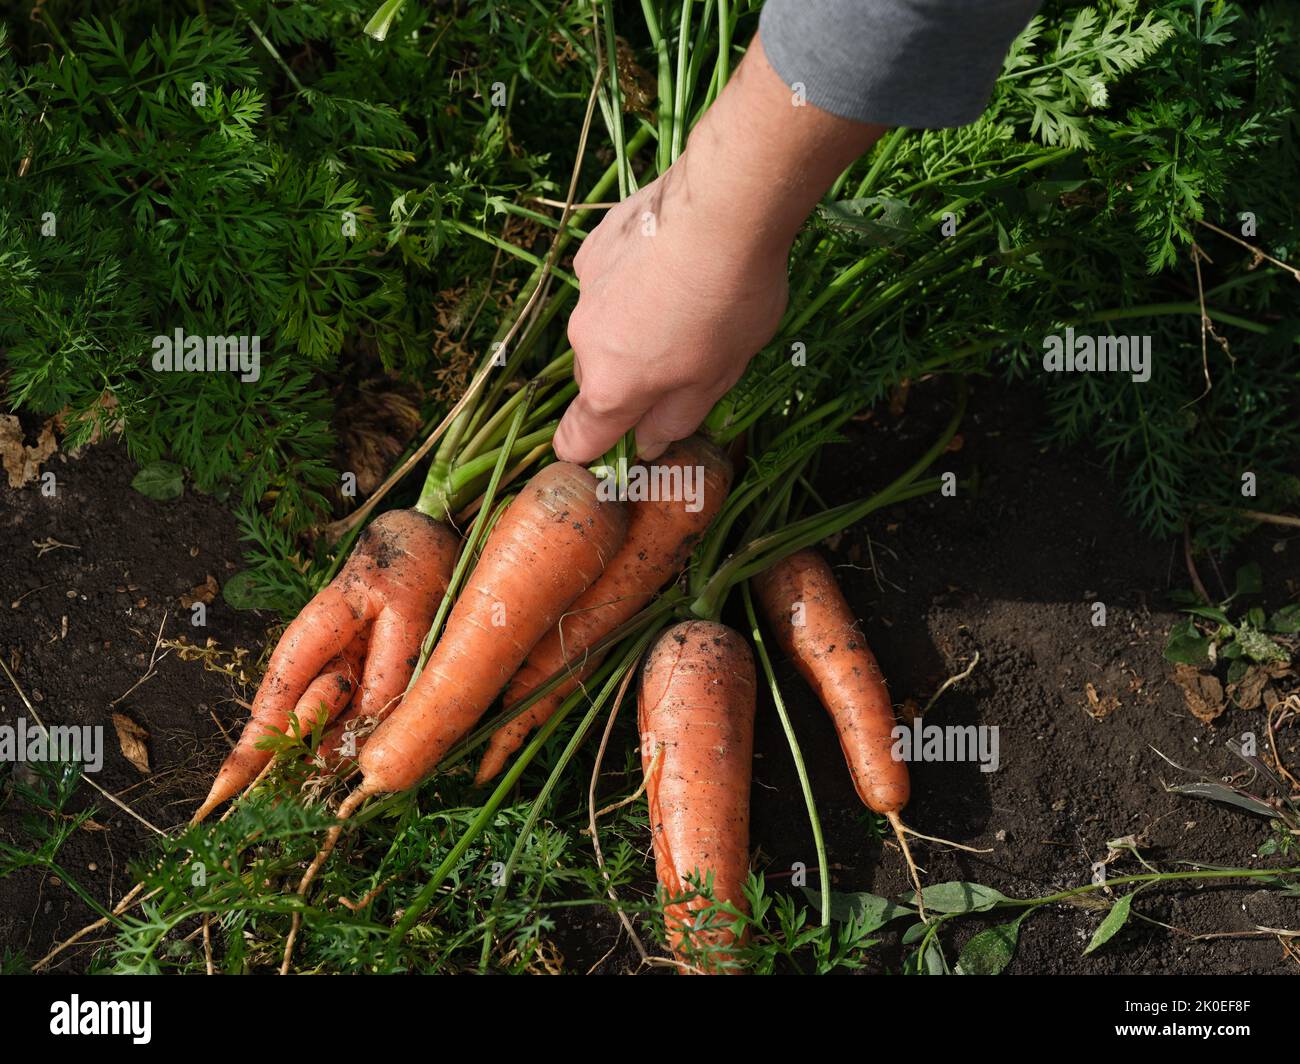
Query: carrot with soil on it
(386, 594)
(695, 712)
(550, 545)
(330, 692)
(661, 533)
(814, 625)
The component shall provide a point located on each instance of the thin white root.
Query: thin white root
(593, 814)
(900, 831)
(949, 682)
(346, 810)
(645, 779)
(943, 842)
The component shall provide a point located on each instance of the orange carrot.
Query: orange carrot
(696, 717)
(389, 587)
(549, 546)
(401, 637)
(328, 695)
(661, 533)
(814, 626)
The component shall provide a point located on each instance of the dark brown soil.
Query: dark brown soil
(1010, 570)
(129, 562)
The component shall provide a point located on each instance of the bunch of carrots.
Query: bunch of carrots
(402, 654)
(518, 580)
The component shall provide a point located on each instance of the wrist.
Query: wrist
(728, 209)
(760, 159)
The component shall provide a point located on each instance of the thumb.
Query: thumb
(586, 433)
(674, 417)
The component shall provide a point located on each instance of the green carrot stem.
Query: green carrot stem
(615, 119)
(886, 148)
(801, 769)
(477, 533)
(680, 87)
(664, 135)
(483, 464)
(512, 249)
(1035, 162)
(493, 428)
(626, 662)
(722, 69)
(747, 492)
(700, 50)
(759, 554)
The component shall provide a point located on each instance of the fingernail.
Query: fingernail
(650, 451)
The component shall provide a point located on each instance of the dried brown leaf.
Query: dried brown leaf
(1100, 707)
(1248, 691)
(133, 741)
(23, 463)
(375, 425)
(204, 592)
(1202, 692)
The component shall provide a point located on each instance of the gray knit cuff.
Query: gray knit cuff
(926, 64)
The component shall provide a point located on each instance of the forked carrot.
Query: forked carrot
(661, 533)
(329, 694)
(550, 545)
(389, 588)
(696, 717)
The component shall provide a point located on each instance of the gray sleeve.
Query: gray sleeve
(926, 64)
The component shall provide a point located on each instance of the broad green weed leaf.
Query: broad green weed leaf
(1115, 919)
(989, 952)
(870, 910)
(960, 897)
(160, 480)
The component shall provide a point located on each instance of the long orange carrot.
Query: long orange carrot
(661, 533)
(549, 546)
(696, 717)
(814, 625)
(390, 586)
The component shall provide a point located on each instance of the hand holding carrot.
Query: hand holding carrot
(685, 281)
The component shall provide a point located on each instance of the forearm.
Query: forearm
(761, 158)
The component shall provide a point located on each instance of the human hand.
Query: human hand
(674, 304)
(685, 281)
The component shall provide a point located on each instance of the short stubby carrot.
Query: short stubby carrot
(695, 712)
(551, 544)
(814, 625)
(661, 533)
(387, 593)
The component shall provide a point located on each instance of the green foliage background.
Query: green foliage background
(227, 218)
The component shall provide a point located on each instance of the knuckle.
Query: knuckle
(602, 399)
(673, 424)
(579, 331)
